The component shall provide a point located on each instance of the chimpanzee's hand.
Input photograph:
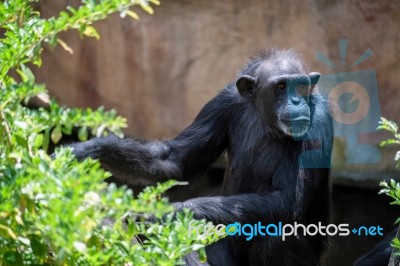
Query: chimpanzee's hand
(83, 150)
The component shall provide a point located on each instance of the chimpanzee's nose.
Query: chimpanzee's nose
(295, 100)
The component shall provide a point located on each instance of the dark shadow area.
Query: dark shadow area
(358, 207)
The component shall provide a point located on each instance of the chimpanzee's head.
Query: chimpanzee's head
(280, 87)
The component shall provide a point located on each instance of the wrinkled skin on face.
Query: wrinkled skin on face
(282, 92)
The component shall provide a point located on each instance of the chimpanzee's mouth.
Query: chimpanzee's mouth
(296, 127)
(298, 121)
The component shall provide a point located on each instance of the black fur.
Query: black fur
(263, 181)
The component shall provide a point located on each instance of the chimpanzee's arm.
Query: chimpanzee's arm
(279, 205)
(242, 208)
(183, 157)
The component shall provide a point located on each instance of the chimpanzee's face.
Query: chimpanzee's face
(281, 91)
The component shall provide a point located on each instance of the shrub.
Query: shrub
(392, 188)
(52, 210)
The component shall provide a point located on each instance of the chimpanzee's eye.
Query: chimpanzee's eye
(281, 86)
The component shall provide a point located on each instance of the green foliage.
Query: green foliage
(26, 31)
(55, 211)
(392, 189)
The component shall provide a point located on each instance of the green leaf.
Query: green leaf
(39, 248)
(20, 140)
(202, 255)
(389, 141)
(385, 124)
(56, 134)
(22, 75)
(38, 141)
(37, 61)
(91, 32)
(67, 129)
(65, 46)
(46, 139)
(13, 258)
(7, 232)
(83, 134)
(132, 14)
(147, 8)
(396, 242)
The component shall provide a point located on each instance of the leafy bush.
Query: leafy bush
(53, 211)
(392, 189)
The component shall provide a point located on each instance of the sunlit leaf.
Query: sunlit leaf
(56, 134)
(91, 32)
(65, 46)
(132, 14)
(83, 134)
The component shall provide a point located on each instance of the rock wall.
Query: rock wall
(159, 71)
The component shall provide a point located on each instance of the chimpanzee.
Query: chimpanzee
(269, 122)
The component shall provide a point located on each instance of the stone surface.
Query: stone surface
(159, 71)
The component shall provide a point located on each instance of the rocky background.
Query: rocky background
(159, 71)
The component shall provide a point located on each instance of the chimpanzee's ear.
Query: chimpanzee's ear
(314, 77)
(245, 85)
